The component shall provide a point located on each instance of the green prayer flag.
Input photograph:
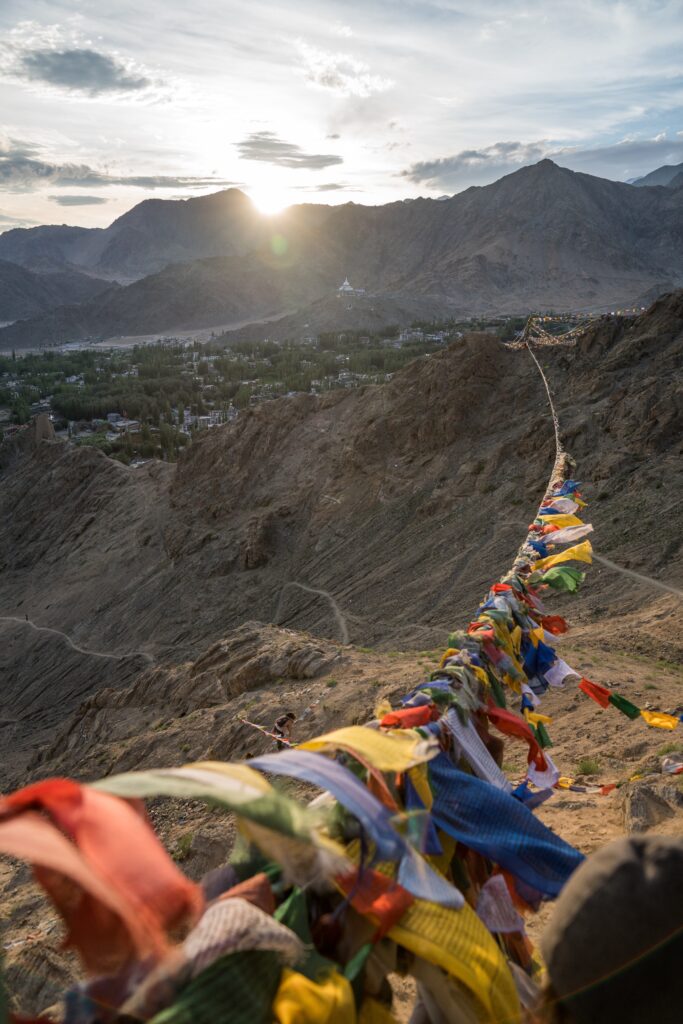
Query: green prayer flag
(497, 691)
(239, 987)
(294, 913)
(624, 705)
(542, 736)
(563, 577)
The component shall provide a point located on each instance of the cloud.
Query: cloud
(329, 186)
(625, 160)
(56, 59)
(7, 222)
(80, 70)
(268, 148)
(78, 200)
(22, 170)
(471, 166)
(629, 158)
(339, 72)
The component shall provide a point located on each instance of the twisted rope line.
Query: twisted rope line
(563, 460)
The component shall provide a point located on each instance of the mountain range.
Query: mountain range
(542, 237)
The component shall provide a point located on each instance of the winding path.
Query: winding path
(637, 575)
(72, 645)
(336, 610)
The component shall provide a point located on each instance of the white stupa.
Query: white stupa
(346, 287)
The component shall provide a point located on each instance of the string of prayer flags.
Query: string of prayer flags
(604, 697)
(416, 824)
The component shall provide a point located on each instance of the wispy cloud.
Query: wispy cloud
(329, 186)
(7, 222)
(339, 72)
(467, 166)
(269, 148)
(78, 200)
(623, 160)
(22, 169)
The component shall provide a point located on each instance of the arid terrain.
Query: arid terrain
(313, 556)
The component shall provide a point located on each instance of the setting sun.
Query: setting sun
(270, 200)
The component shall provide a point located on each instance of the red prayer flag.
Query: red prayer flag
(599, 694)
(554, 624)
(512, 725)
(380, 897)
(111, 846)
(410, 718)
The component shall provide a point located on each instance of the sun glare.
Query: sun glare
(270, 201)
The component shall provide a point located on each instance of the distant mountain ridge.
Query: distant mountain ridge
(667, 175)
(144, 240)
(542, 237)
(25, 293)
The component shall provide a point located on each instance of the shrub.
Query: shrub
(588, 766)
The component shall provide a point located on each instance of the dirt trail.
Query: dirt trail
(338, 614)
(74, 646)
(638, 575)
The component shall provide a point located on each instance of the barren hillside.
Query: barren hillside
(378, 516)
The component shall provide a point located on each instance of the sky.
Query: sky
(104, 103)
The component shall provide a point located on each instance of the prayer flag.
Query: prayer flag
(561, 519)
(624, 705)
(579, 553)
(563, 577)
(599, 694)
(659, 720)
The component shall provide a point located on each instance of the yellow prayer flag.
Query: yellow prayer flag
(561, 520)
(579, 553)
(458, 942)
(420, 780)
(535, 718)
(536, 635)
(388, 752)
(480, 674)
(659, 720)
(448, 653)
(299, 1000)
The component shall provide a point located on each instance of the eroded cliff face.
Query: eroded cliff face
(378, 515)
